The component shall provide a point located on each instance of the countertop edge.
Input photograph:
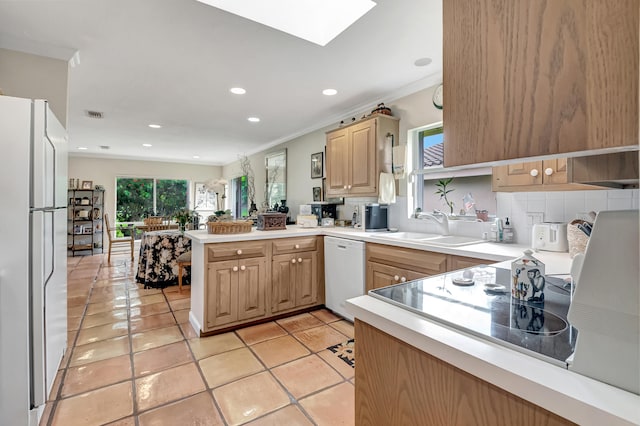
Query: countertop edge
(578, 398)
(492, 252)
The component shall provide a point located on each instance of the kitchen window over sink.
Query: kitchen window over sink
(426, 162)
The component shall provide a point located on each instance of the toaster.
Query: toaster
(550, 236)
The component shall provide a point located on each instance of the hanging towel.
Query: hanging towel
(399, 161)
(387, 193)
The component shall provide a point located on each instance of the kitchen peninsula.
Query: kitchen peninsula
(489, 370)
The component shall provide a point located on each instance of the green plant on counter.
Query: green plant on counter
(442, 190)
(183, 216)
(219, 215)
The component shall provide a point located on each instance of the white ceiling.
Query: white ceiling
(172, 62)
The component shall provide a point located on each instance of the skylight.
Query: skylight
(317, 21)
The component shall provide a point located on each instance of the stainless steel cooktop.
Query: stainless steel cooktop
(483, 306)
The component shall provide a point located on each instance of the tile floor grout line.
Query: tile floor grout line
(134, 393)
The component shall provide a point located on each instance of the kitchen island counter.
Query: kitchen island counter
(572, 396)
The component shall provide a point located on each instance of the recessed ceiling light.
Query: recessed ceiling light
(316, 21)
(237, 91)
(422, 62)
(82, 148)
(329, 92)
(196, 156)
(155, 126)
(253, 119)
(147, 145)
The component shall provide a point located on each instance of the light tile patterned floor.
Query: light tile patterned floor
(133, 359)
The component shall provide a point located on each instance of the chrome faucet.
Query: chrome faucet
(438, 217)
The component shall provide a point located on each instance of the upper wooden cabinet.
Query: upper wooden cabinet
(356, 154)
(532, 78)
(580, 173)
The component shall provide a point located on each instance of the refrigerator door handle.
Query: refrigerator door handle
(36, 309)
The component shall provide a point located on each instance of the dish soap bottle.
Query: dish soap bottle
(527, 279)
(507, 232)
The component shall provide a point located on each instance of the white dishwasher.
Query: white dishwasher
(344, 265)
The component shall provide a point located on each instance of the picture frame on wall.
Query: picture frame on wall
(72, 183)
(87, 184)
(317, 193)
(317, 165)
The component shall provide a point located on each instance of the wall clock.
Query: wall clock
(437, 97)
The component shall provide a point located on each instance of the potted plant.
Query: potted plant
(183, 217)
(442, 190)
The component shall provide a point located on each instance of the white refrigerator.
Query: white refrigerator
(33, 267)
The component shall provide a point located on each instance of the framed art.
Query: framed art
(204, 199)
(317, 193)
(317, 165)
(72, 183)
(87, 184)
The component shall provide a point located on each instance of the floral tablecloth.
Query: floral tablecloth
(157, 265)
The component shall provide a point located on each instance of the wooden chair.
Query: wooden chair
(183, 260)
(117, 241)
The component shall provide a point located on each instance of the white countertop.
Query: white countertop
(566, 393)
(556, 263)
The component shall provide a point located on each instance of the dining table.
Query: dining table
(157, 263)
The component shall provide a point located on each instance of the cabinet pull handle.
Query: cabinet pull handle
(235, 269)
(548, 171)
(293, 261)
(403, 279)
(299, 260)
(242, 268)
(297, 246)
(239, 252)
(396, 278)
(534, 172)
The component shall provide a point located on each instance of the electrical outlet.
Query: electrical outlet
(534, 217)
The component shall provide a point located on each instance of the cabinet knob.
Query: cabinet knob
(297, 246)
(299, 260)
(348, 186)
(293, 261)
(235, 269)
(548, 171)
(396, 278)
(239, 252)
(403, 279)
(344, 187)
(534, 172)
(242, 268)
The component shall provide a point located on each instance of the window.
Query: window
(138, 198)
(427, 163)
(239, 197)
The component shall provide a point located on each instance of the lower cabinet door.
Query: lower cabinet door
(251, 288)
(379, 275)
(283, 282)
(222, 293)
(306, 278)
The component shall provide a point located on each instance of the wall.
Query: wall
(105, 171)
(30, 76)
(560, 206)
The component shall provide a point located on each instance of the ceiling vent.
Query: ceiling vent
(94, 114)
(105, 147)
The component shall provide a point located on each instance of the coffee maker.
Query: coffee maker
(376, 217)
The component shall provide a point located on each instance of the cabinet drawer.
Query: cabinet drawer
(239, 250)
(419, 261)
(294, 245)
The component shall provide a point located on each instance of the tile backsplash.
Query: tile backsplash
(520, 207)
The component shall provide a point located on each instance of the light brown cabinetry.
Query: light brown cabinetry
(525, 79)
(388, 265)
(236, 289)
(295, 274)
(356, 154)
(567, 174)
(399, 384)
(253, 280)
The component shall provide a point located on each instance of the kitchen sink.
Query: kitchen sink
(436, 239)
(408, 235)
(452, 240)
